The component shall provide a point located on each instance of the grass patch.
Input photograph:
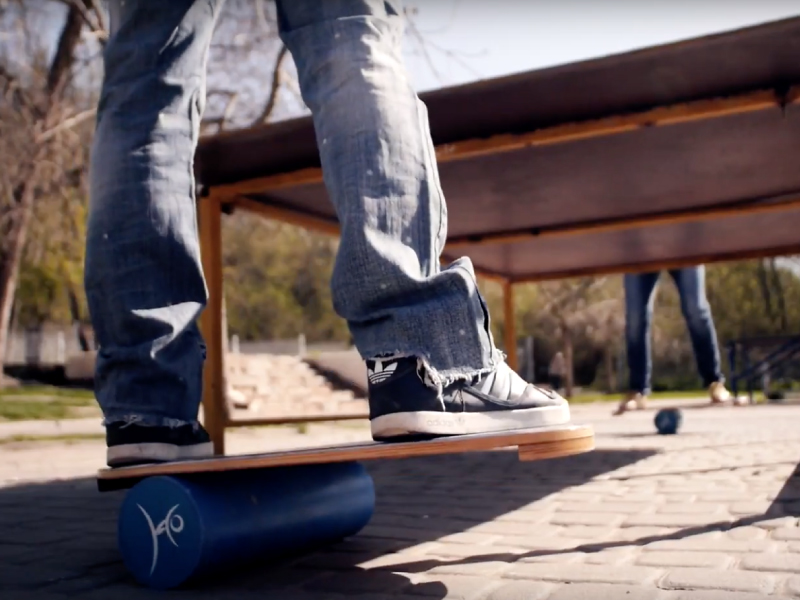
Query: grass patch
(43, 402)
(68, 438)
(588, 397)
(26, 391)
(21, 408)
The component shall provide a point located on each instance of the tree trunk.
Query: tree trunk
(766, 295)
(611, 375)
(569, 371)
(23, 196)
(780, 293)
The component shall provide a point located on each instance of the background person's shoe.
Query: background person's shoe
(403, 407)
(719, 393)
(634, 401)
(132, 443)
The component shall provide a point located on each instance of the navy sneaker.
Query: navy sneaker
(134, 444)
(403, 407)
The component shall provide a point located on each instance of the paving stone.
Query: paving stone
(691, 508)
(792, 586)
(715, 595)
(350, 582)
(710, 545)
(601, 591)
(582, 573)
(472, 551)
(539, 543)
(587, 532)
(777, 523)
(747, 533)
(710, 579)
(470, 537)
(710, 560)
(597, 519)
(457, 587)
(35, 595)
(753, 508)
(773, 563)
(675, 520)
(603, 507)
(514, 528)
(561, 557)
(480, 569)
(786, 533)
(613, 556)
(521, 590)
(643, 534)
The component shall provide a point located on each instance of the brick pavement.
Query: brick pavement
(710, 513)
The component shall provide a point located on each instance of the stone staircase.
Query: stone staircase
(271, 385)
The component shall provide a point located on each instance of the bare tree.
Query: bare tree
(45, 159)
(576, 307)
(34, 119)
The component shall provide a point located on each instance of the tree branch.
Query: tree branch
(66, 124)
(85, 9)
(275, 87)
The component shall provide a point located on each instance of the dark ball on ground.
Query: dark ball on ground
(668, 421)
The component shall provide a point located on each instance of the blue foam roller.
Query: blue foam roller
(173, 529)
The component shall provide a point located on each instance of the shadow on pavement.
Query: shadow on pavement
(60, 537)
(785, 504)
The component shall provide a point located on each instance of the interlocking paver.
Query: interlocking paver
(582, 573)
(709, 560)
(467, 550)
(481, 568)
(711, 579)
(786, 533)
(458, 587)
(587, 518)
(676, 520)
(772, 563)
(709, 513)
(715, 595)
(601, 591)
(712, 545)
(521, 590)
(747, 533)
(792, 586)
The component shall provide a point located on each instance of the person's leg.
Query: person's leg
(639, 298)
(424, 331)
(691, 284)
(144, 280)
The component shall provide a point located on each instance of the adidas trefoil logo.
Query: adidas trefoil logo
(381, 372)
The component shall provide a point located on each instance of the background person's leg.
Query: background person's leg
(691, 284)
(144, 280)
(639, 299)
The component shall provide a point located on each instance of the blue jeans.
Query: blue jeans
(144, 281)
(639, 300)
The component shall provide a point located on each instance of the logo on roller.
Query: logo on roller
(171, 524)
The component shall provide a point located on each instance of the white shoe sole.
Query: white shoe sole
(441, 423)
(153, 452)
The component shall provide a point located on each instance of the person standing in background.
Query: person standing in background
(639, 300)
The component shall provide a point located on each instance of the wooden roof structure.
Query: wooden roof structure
(676, 154)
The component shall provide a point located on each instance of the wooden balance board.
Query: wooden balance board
(186, 520)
